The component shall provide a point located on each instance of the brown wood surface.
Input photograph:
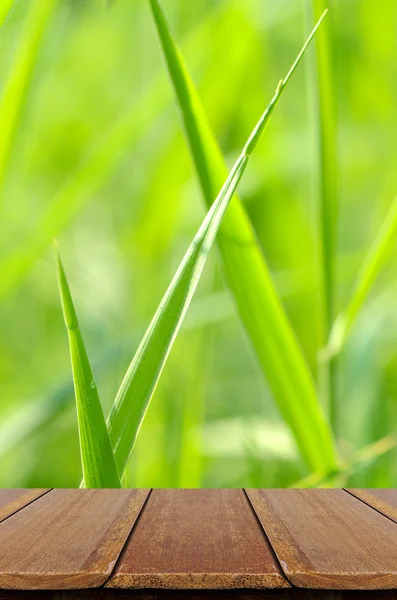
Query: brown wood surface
(268, 594)
(328, 539)
(384, 500)
(190, 539)
(12, 500)
(67, 538)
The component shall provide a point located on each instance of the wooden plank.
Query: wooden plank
(327, 539)
(67, 538)
(12, 500)
(384, 500)
(197, 539)
(267, 594)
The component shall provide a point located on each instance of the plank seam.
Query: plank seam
(25, 505)
(370, 506)
(122, 552)
(272, 550)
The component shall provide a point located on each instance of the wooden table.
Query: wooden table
(198, 544)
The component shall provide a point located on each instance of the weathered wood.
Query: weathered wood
(327, 539)
(12, 500)
(384, 500)
(269, 594)
(189, 539)
(197, 539)
(67, 538)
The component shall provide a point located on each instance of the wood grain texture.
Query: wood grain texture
(268, 594)
(207, 539)
(384, 500)
(12, 500)
(67, 538)
(327, 539)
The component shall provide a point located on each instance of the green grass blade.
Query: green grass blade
(139, 383)
(248, 276)
(141, 378)
(327, 152)
(99, 467)
(325, 126)
(17, 85)
(370, 269)
(5, 7)
(36, 414)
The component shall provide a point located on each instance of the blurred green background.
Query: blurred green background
(99, 88)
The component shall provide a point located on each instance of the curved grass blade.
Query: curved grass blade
(142, 376)
(325, 116)
(99, 468)
(5, 7)
(34, 415)
(325, 126)
(248, 276)
(371, 267)
(139, 383)
(16, 87)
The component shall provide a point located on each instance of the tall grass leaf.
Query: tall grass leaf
(141, 378)
(156, 223)
(370, 269)
(136, 390)
(17, 85)
(326, 132)
(34, 415)
(99, 467)
(5, 7)
(325, 126)
(247, 273)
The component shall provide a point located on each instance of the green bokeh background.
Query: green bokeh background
(212, 420)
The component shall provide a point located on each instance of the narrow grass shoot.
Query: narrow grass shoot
(97, 460)
(370, 269)
(34, 415)
(325, 127)
(248, 276)
(139, 383)
(17, 84)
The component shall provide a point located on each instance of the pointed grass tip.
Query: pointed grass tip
(257, 133)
